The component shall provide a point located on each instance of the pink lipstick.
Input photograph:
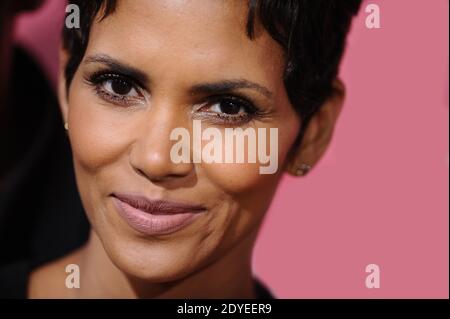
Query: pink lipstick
(155, 217)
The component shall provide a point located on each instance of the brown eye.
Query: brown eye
(229, 107)
(120, 87)
(116, 89)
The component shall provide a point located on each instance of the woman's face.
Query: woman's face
(152, 67)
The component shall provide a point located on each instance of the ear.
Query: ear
(318, 134)
(62, 91)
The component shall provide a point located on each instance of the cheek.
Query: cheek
(237, 178)
(250, 191)
(97, 135)
(246, 187)
(246, 179)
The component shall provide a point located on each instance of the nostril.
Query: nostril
(152, 177)
(140, 172)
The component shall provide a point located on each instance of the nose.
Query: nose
(150, 153)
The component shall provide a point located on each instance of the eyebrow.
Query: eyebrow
(201, 88)
(119, 67)
(229, 85)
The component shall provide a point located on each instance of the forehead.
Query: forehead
(201, 36)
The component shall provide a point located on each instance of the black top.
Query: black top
(38, 193)
(262, 292)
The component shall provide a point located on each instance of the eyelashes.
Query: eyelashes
(116, 89)
(220, 109)
(229, 109)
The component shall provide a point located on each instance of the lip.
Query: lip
(155, 217)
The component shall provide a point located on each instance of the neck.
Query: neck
(228, 277)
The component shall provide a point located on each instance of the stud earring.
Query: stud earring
(66, 126)
(303, 170)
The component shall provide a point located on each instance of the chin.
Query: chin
(155, 261)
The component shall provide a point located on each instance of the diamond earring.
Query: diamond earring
(303, 170)
(66, 126)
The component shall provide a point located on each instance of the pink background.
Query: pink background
(380, 195)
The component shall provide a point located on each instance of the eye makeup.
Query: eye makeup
(225, 109)
(116, 88)
(228, 109)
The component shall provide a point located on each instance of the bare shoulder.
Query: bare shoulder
(49, 280)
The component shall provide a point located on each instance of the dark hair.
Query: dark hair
(311, 32)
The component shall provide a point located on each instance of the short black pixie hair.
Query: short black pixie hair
(312, 34)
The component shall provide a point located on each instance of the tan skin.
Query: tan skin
(125, 148)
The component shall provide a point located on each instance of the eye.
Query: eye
(228, 109)
(119, 86)
(116, 89)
